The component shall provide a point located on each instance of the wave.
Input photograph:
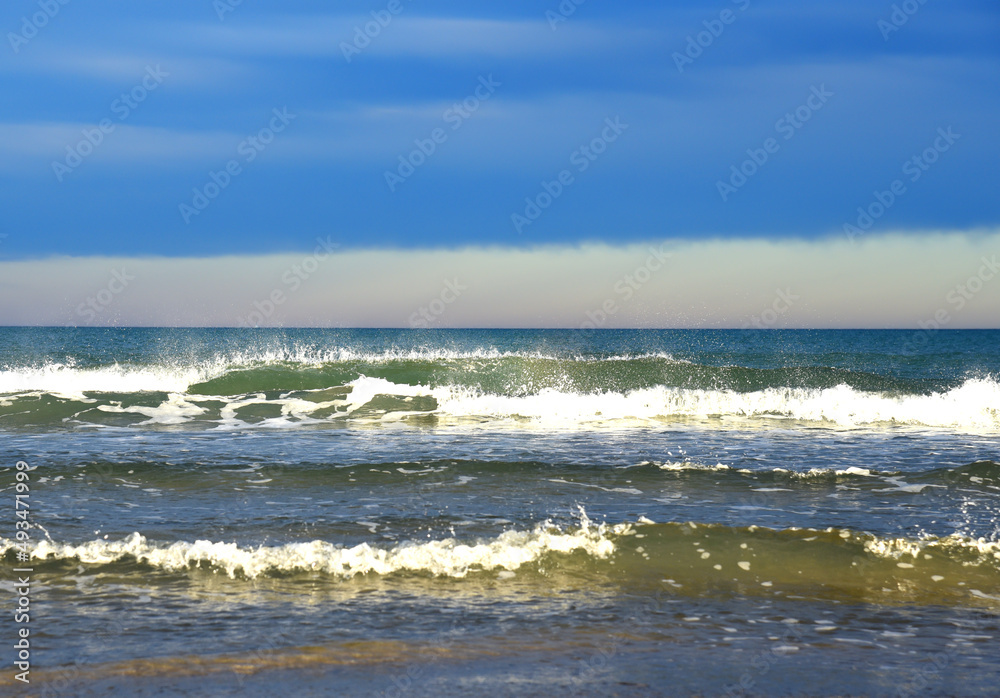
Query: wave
(638, 478)
(253, 370)
(684, 558)
(975, 404)
(687, 467)
(293, 386)
(69, 378)
(448, 557)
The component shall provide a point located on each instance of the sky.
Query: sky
(533, 150)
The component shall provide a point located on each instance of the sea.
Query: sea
(348, 512)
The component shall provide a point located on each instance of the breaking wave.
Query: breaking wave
(440, 388)
(683, 558)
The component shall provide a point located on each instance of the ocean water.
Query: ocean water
(536, 513)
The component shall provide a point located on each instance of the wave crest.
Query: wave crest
(448, 557)
(464, 394)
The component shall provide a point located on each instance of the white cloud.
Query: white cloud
(887, 281)
(432, 37)
(500, 134)
(126, 69)
(26, 148)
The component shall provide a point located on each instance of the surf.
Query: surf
(145, 398)
(683, 558)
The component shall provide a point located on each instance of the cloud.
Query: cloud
(126, 69)
(892, 281)
(29, 147)
(403, 35)
(498, 134)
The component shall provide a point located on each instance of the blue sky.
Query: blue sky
(212, 83)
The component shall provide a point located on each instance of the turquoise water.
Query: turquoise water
(368, 512)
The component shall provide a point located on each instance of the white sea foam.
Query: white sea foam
(447, 557)
(176, 410)
(69, 379)
(688, 466)
(973, 405)
(823, 472)
(896, 548)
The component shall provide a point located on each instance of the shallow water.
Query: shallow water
(520, 512)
